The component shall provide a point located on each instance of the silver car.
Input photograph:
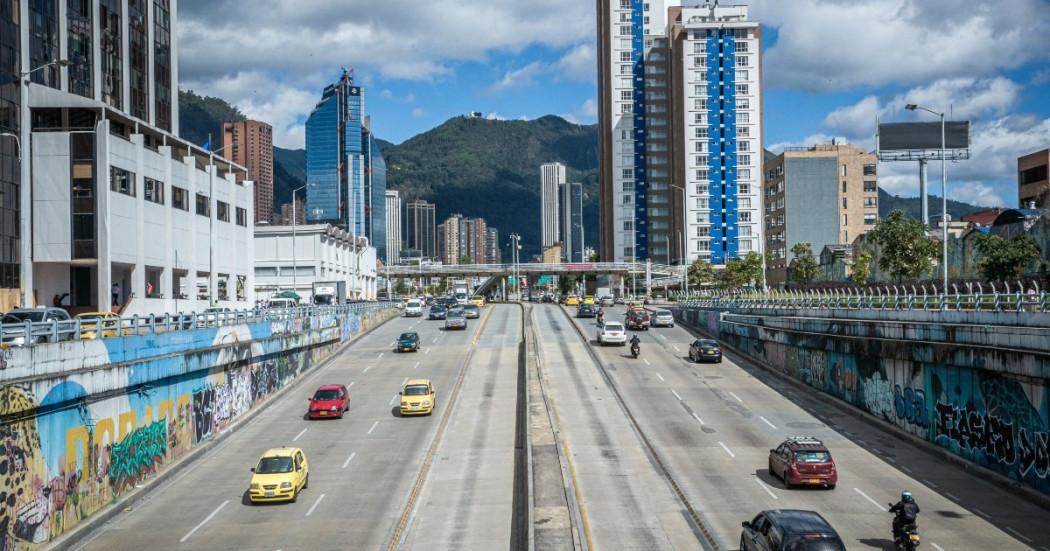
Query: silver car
(662, 318)
(455, 319)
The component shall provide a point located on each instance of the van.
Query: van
(414, 308)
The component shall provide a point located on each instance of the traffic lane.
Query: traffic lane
(628, 503)
(721, 401)
(468, 496)
(222, 475)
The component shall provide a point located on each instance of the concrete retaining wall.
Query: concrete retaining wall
(83, 422)
(979, 390)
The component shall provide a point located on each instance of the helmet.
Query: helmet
(906, 496)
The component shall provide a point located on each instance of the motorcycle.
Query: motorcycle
(635, 350)
(601, 320)
(908, 539)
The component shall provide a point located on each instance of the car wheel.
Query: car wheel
(743, 545)
(306, 483)
(672, 326)
(831, 486)
(787, 481)
(295, 496)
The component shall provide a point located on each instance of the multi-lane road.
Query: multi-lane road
(662, 454)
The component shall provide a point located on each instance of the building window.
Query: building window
(741, 47)
(153, 190)
(79, 48)
(628, 173)
(741, 89)
(745, 159)
(743, 145)
(121, 181)
(744, 173)
(870, 219)
(843, 170)
(626, 199)
(625, 95)
(700, 146)
(741, 61)
(745, 202)
(138, 50)
(701, 160)
(626, 108)
(743, 103)
(701, 104)
(844, 184)
(741, 74)
(745, 216)
(180, 198)
(701, 132)
(625, 56)
(869, 170)
(870, 186)
(743, 189)
(203, 205)
(111, 52)
(702, 174)
(871, 202)
(625, 30)
(162, 62)
(222, 211)
(844, 203)
(628, 225)
(845, 220)
(745, 231)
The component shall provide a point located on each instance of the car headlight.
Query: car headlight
(255, 486)
(286, 485)
(333, 408)
(426, 402)
(404, 404)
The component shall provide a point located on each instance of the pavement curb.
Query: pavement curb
(521, 537)
(71, 539)
(1007, 483)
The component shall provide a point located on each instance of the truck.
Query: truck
(329, 292)
(461, 293)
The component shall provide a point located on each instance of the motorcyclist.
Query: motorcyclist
(906, 511)
(601, 316)
(636, 344)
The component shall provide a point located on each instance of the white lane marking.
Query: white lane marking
(928, 483)
(316, 503)
(735, 397)
(766, 421)
(403, 381)
(350, 385)
(203, 522)
(867, 497)
(297, 436)
(662, 337)
(951, 497)
(1018, 534)
(415, 366)
(697, 417)
(676, 395)
(646, 360)
(766, 488)
(427, 351)
(980, 512)
(392, 343)
(380, 357)
(906, 469)
(367, 368)
(392, 400)
(349, 459)
(939, 548)
(661, 377)
(373, 427)
(435, 340)
(676, 349)
(726, 448)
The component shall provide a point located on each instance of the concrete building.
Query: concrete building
(473, 235)
(250, 144)
(393, 227)
(421, 228)
(552, 254)
(572, 222)
(493, 253)
(317, 253)
(448, 240)
(1033, 181)
(107, 213)
(821, 195)
(296, 210)
(552, 176)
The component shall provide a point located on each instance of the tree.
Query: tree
(905, 251)
(400, 288)
(804, 267)
(741, 272)
(466, 259)
(1002, 259)
(567, 283)
(701, 273)
(862, 268)
(595, 257)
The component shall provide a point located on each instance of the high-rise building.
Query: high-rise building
(345, 171)
(10, 178)
(473, 235)
(552, 176)
(421, 228)
(492, 248)
(393, 227)
(820, 195)
(250, 144)
(296, 210)
(572, 222)
(1033, 180)
(448, 239)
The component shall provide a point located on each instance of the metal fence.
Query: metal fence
(31, 333)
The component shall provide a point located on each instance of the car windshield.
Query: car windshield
(613, 327)
(326, 395)
(20, 317)
(471, 307)
(437, 308)
(457, 313)
(708, 343)
(408, 337)
(270, 465)
(812, 456)
(416, 390)
(413, 304)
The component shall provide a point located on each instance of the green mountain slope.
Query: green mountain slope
(203, 115)
(913, 207)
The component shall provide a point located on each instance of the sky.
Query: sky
(830, 69)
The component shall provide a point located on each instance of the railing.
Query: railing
(32, 333)
(528, 268)
(974, 297)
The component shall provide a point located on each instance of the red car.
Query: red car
(329, 401)
(803, 460)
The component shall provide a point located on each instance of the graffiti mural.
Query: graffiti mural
(910, 405)
(137, 455)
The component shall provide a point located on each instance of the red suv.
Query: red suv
(803, 460)
(637, 319)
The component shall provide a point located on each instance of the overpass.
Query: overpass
(659, 271)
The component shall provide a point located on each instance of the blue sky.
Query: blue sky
(830, 67)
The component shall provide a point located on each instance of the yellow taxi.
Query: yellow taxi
(418, 397)
(572, 300)
(478, 301)
(589, 299)
(89, 322)
(279, 476)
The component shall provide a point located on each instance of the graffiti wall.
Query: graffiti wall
(64, 454)
(980, 411)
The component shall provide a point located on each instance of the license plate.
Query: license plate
(323, 413)
(710, 352)
(269, 493)
(815, 481)
(415, 406)
(406, 348)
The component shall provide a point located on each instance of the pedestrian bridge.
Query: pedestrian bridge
(532, 270)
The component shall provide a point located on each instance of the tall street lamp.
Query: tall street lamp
(944, 194)
(26, 203)
(295, 264)
(682, 256)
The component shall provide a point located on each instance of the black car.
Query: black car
(789, 530)
(408, 342)
(705, 350)
(437, 312)
(586, 311)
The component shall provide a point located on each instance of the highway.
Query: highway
(661, 453)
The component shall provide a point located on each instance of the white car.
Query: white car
(414, 309)
(612, 332)
(662, 318)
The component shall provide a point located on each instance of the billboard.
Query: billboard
(911, 136)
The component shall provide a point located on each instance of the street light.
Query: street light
(944, 194)
(682, 256)
(295, 264)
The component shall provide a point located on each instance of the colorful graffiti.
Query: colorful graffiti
(139, 454)
(910, 405)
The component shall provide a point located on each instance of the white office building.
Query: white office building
(293, 258)
(393, 227)
(552, 176)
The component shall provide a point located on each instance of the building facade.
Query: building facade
(250, 144)
(572, 222)
(10, 166)
(1033, 180)
(473, 236)
(493, 253)
(316, 253)
(448, 240)
(823, 195)
(393, 227)
(421, 228)
(552, 176)
(294, 210)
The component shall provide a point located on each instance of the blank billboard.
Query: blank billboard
(910, 136)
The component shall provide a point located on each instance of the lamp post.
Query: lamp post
(682, 256)
(944, 194)
(26, 202)
(295, 266)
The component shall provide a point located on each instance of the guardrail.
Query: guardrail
(33, 333)
(533, 268)
(992, 302)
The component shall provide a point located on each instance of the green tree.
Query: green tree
(701, 273)
(567, 283)
(595, 257)
(466, 260)
(400, 288)
(804, 267)
(741, 272)
(905, 251)
(862, 268)
(1002, 259)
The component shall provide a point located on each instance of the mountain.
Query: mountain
(200, 116)
(912, 206)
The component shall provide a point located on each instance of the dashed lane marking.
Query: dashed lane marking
(380, 357)
(646, 360)
(434, 341)
(349, 459)
(392, 400)
(766, 421)
(367, 368)
(676, 395)
(766, 488)
(416, 366)
(661, 377)
(951, 496)
(726, 448)
(906, 469)
(350, 385)
(867, 497)
(1020, 535)
(939, 548)
(427, 351)
(980, 512)
(203, 522)
(676, 349)
(735, 397)
(928, 483)
(373, 427)
(297, 436)
(316, 503)
(697, 417)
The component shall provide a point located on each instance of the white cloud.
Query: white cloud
(834, 45)
(418, 113)
(579, 63)
(518, 78)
